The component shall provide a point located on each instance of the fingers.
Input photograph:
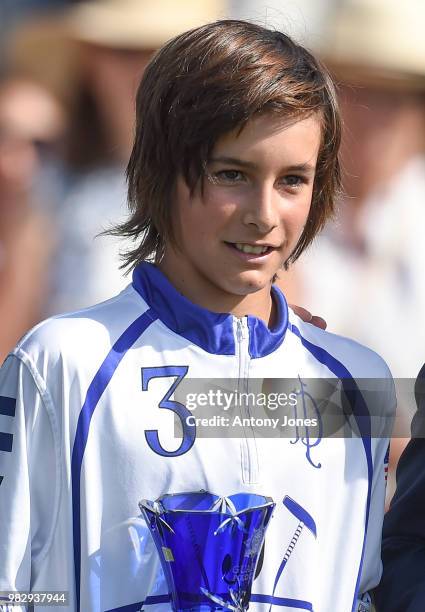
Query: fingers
(318, 322)
(303, 313)
(307, 317)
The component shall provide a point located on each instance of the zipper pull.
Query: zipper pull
(240, 329)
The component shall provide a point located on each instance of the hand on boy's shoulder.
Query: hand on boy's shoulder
(307, 317)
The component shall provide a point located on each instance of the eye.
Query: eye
(228, 176)
(293, 180)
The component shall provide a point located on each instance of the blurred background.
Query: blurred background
(68, 75)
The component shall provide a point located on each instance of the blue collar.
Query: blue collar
(211, 331)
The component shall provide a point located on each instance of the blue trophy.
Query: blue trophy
(209, 546)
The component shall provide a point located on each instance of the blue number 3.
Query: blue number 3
(189, 431)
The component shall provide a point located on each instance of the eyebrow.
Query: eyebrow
(305, 167)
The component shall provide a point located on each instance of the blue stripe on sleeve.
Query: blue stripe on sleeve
(6, 442)
(7, 406)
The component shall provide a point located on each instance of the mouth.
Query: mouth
(251, 251)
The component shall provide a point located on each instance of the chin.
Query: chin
(251, 283)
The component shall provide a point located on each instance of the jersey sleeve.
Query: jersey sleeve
(28, 477)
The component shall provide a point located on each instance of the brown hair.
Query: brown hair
(203, 84)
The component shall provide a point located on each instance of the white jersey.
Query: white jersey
(87, 415)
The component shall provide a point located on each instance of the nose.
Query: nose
(261, 209)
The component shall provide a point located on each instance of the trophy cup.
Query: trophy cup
(209, 546)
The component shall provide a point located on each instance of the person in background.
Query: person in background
(32, 123)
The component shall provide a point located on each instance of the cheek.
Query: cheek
(297, 215)
(200, 223)
(220, 201)
(214, 215)
(191, 231)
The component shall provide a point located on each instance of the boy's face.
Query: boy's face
(235, 236)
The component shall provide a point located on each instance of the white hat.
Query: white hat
(139, 24)
(381, 37)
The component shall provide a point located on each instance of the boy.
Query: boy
(234, 170)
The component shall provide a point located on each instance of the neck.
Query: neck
(199, 290)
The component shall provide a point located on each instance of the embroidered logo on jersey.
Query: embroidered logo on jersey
(306, 408)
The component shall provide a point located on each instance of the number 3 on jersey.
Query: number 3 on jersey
(189, 431)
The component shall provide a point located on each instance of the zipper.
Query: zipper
(249, 452)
